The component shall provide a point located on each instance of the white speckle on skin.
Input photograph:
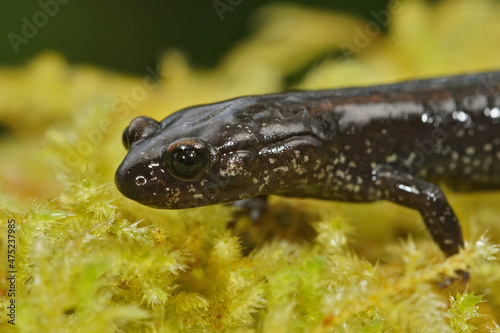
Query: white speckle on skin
(391, 158)
(495, 113)
(460, 116)
(470, 150)
(198, 196)
(349, 187)
(487, 147)
(174, 197)
(234, 168)
(316, 166)
(281, 168)
(340, 174)
(411, 157)
(301, 171)
(272, 160)
(255, 180)
(153, 165)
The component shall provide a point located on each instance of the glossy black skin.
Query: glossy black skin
(390, 142)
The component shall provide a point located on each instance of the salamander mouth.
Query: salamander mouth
(165, 204)
(184, 199)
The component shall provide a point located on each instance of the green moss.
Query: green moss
(463, 309)
(89, 260)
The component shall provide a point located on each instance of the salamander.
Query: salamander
(394, 142)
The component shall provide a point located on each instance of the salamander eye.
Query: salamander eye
(139, 128)
(126, 139)
(188, 159)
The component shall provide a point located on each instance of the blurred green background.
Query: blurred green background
(130, 35)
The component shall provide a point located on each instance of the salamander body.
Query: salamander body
(392, 142)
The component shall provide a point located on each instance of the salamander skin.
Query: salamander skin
(392, 142)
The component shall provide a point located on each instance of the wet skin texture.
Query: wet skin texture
(390, 142)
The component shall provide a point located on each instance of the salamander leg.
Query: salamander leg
(254, 207)
(428, 199)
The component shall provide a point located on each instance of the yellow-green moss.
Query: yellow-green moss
(89, 260)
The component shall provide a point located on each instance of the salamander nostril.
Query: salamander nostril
(133, 187)
(140, 180)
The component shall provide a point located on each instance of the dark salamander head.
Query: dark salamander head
(198, 156)
(219, 153)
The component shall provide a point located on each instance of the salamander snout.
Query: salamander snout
(132, 184)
